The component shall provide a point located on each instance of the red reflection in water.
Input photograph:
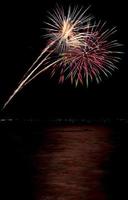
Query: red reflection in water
(69, 163)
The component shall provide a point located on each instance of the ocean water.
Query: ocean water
(64, 160)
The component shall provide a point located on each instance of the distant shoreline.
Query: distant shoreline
(66, 120)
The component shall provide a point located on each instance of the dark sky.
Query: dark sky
(22, 23)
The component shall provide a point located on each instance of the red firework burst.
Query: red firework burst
(96, 55)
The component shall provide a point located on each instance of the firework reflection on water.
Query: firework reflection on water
(69, 163)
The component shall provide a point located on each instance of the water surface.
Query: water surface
(64, 162)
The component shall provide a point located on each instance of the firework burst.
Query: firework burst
(66, 29)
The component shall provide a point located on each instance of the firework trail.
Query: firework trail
(26, 80)
(82, 49)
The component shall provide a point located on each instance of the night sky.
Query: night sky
(44, 98)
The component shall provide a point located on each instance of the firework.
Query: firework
(77, 47)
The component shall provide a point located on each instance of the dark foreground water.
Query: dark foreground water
(64, 162)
